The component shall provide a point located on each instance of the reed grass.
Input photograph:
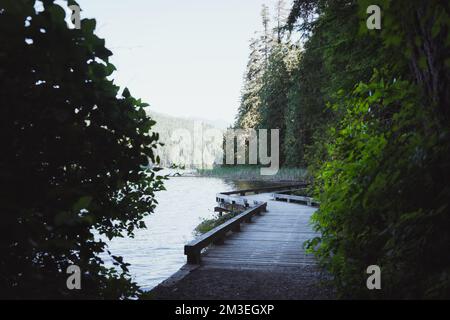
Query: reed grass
(253, 173)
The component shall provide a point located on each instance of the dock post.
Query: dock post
(193, 256)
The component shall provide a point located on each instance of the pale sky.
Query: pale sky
(183, 57)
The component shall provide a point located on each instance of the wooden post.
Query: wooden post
(193, 256)
(219, 241)
(217, 235)
(237, 228)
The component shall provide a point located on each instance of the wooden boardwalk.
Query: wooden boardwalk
(264, 260)
(271, 241)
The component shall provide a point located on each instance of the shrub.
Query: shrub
(385, 195)
(73, 158)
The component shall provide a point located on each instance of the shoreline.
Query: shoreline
(284, 175)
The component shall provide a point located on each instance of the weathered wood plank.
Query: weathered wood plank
(217, 235)
(273, 240)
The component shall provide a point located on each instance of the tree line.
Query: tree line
(368, 113)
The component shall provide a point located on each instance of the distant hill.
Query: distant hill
(192, 143)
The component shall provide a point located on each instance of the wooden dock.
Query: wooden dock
(258, 254)
(272, 240)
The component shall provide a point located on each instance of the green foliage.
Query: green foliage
(248, 111)
(74, 157)
(305, 108)
(290, 89)
(376, 143)
(274, 92)
(267, 80)
(334, 59)
(384, 198)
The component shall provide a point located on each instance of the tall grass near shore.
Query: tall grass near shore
(253, 173)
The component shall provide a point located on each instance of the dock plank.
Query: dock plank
(266, 259)
(274, 239)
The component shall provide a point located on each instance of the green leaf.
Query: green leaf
(82, 203)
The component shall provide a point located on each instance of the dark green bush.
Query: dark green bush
(73, 157)
(385, 195)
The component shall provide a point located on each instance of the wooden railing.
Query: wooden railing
(265, 189)
(217, 235)
(294, 198)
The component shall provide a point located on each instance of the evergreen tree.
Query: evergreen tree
(248, 111)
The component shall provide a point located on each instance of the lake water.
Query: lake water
(158, 251)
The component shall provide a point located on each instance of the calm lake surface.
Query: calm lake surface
(158, 251)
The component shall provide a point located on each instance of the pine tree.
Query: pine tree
(266, 35)
(248, 116)
(280, 18)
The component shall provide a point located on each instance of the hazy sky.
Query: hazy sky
(183, 57)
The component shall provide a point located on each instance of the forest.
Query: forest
(367, 112)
